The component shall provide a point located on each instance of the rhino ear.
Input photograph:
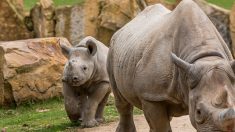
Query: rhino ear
(91, 46)
(181, 63)
(65, 50)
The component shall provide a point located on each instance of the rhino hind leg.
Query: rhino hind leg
(156, 116)
(125, 110)
(100, 110)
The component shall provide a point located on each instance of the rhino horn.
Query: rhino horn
(227, 118)
(232, 63)
(180, 63)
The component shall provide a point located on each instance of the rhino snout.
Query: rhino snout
(226, 119)
(76, 79)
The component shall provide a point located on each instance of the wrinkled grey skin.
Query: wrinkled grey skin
(145, 72)
(85, 81)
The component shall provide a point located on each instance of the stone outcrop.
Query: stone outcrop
(97, 18)
(30, 70)
(113, 15)
(70, 23)
(42, 16)
(11, 21)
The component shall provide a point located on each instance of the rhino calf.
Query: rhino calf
(85, 81)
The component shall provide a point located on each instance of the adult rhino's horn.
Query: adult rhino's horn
(232, 63)
(180, 63)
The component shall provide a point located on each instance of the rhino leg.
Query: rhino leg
(94, 99)
(100, 110)
(125, 110)
(71, 102)
(156, 116)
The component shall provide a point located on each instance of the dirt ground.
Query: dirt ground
(180, 124)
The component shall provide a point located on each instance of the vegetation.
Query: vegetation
(227, 4)
(28, 4)
(46, 116)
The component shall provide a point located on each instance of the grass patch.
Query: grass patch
(170, 1)
(227, 4)
(28, 4)
(46, 116)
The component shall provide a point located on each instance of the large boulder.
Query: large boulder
(30, 70)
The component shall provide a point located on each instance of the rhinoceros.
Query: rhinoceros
(170, 64)
(85, 81)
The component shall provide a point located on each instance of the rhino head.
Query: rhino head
(81, 63)
(211, 93)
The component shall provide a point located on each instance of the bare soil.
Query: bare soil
(179, 124)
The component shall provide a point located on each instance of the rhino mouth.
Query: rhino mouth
(76, 83)
(72, 82)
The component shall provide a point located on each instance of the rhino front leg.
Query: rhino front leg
(156, 116)
(94, 99)
(71, 103)
(100, 110)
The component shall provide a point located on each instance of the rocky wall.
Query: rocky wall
(42, 17)
(11, 21)
(70, 23)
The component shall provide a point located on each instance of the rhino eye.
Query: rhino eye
(199, 117)
(84, 68)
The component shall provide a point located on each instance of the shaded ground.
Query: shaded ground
(180, 124)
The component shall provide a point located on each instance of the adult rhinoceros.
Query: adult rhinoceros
(145, 71)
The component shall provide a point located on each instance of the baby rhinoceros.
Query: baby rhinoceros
(85, 81)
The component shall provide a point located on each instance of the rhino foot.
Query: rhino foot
(90, 123)
(125, 129)
(100, 120)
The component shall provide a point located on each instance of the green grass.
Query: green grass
(170, 1)
(46, 116)
(28, 4)
(227, 4)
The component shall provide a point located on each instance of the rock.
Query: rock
(30, 70)
(97, 18)
(113, 15)
(11, 21)
(70, 23)
(42, 16)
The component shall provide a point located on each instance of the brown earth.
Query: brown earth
(179, 124)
